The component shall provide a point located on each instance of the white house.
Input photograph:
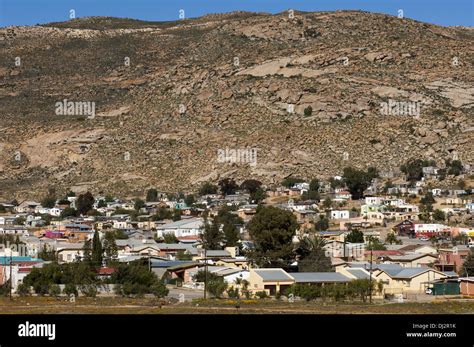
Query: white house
(374, 200)
(341, 214)
(185, 227)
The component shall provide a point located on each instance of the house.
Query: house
(320, 278)
(428, 230)
(27, 207)
(67, 252)
(405, 228)
(184, 227)
(343, 196)
(271, 280)
(470, 206)
(466, 285)
(342, 214)
(13, 230)
(412, 259)
(374, 200)
(407, 279)
(452, 259)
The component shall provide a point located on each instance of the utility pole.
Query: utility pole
(370, 273)
(205, 272)
(11, 280)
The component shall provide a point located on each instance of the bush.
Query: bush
(69, 289)
(159, 290)
(261, 295)
(23, 290)
(89, 290)
(54, 290)
(233, 293)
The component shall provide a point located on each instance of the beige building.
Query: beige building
(408, 280)
(269, 280)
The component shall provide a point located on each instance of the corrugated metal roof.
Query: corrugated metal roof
(358, 273)
(273, 275)
(319, 277)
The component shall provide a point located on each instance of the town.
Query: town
(363, 236)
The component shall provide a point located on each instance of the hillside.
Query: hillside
(160, 120)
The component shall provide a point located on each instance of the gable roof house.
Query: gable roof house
(408, 279)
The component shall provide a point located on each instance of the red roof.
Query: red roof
(105, 271)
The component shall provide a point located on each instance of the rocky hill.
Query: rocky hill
(305, 92)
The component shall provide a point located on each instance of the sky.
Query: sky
(30, 12)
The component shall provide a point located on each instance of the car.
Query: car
(429, 291)
(423, 238)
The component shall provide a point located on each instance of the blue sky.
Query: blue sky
(29, 12)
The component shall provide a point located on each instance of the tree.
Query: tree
(170, 238)
(139, 204)
(151, 195)
(54, 290)
(392, 239)
(84, 203)
(208, 188)
(68, 212)
(231, 235)
(250, 186)
(101, 203)
(189, 200)
(327, 203)
(258, 196)
(468, 266)
(291, 181)
(413, 169)
(357, 181)
(312, 257)
(87, 251)
(211, 234)
(322, 224)
(215, 286)
(48, 201)
(272, 230)
(176, 215)
(46, 254)
(228, 186)
(375, 244)
(96, 255)
(308, 111)
(439, 215)
(355, 236)
(454, 167)
(110, 246)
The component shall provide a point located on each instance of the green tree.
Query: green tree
(68, 212)
(258, 196)
(392, 239)
(87, 251)
(216, 285)
(211, 234)
(84, 203)
(208, 188)
(291, 181)
(322, 223)
(250, 186)
(355, 236)
(468, 266)
(312, 257)
(176, 215)
(439, 215)
(139, 204)
(110, 246)
(189, 200)
(228, 186)
(48, 201)
(375, 244)
(327, 203)
(151, 195)
(97, 251)
(357, 181)
(272, 230)
(170, 238)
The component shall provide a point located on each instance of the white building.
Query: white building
(185, 227)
